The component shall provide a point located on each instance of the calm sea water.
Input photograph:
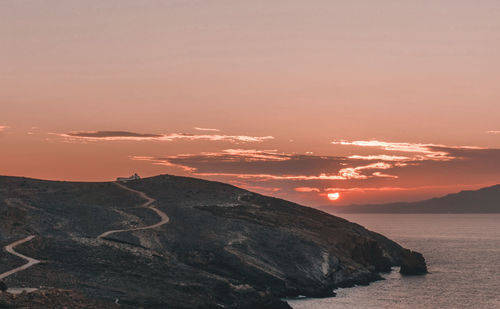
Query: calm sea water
(463, 257)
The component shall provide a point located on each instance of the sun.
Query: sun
(333, 196)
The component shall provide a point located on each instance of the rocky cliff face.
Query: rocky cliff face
(412, 263)
(222, 247)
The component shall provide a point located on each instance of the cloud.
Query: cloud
(110, 134)
(493, 132)
(363, 189)
(433, 152)
(382, 175)
(258, 188)
(306, 189)
(163, 162)
(264, 177)
(206, 129)
(250, 155)
(417, 188)
(86, 136)
(264, 165)
(271, 165)
(354, 172)
(297, 174)
(2, 128)
(380, 157)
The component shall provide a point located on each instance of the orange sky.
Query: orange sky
(307, 74)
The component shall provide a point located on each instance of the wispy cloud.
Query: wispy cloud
(250, 155)
(383, 175)
(323, 176)
(493, 132)
(226, 156)
(206, 129)
(460, 186)
(355, 172)
(109, 135)
(298, 174)
(365, 189)
(306, 189)
(258, 188)
(132, 136)
(158, 161)
(269, 165)
(434, 152)
(4, 128)
(380, 158)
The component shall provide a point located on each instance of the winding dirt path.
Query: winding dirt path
(148, 204)
(10, 249)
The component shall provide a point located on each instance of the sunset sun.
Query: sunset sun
(333, 196)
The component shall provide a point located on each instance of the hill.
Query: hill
(485, 200)
(177, 242)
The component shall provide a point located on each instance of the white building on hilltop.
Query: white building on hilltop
(125, 179)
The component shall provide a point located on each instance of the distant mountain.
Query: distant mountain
(177, 242)
(485, 200)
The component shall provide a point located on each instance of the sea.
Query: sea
(463, 257)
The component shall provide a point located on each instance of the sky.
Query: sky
(378, 101)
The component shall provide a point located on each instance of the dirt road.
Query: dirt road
(10, 249)
(164, 219)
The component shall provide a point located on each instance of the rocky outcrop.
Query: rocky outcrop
(223, 246)
(412, 263)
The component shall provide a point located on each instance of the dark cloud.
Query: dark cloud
(270, 165)
(132, 136)
(431, 167)
(103, 134)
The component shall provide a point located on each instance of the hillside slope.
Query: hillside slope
(221, 247)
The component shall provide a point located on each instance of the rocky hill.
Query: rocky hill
(485, 200)
(176, 242)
